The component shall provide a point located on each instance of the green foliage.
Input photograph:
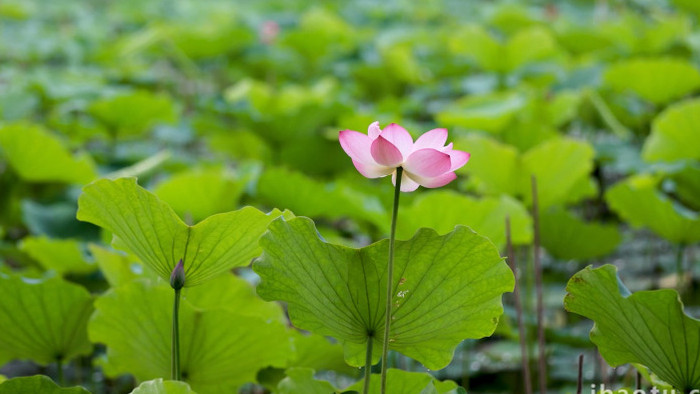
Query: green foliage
(60, 255)
(408, 382)
(132, 113)
(638, 202)
(674, 134)
(301, 381)
(220, 349)
(36, 155)
(656, 80)
(567, 237)
(160, 386)
(43, 319)
(443, 210)
(647, 327)
(197, 194)
(338, 291)
(37, 384)
(305, 196)
(491, 112)
(562, 167)
(525, 46)
(152, 231)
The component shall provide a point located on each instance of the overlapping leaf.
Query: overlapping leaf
(446, 288)
(565, 236)
(152, 231)
(656, 80)
(38, 156)
(219, 349)
(60, 255)
(43, 320)
(160, 386)
(637, 200)
(674, 134)
(443, 210)
(647, 327)
(37, 384)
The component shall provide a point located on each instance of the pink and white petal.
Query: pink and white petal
(372, 170)
(373, 130)
(434, 138)
(428, 162)
(357, 145)
(385, 153)
(438, 181)
(458, 158)
(407, 184)
(398, 136)
(447, 148)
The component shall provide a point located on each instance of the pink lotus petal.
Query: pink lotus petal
(357, 146)
(385, 153)
(428, 163)
(434, 138)
(399, 137)
(372, 170)
(373, 130)
(458, 159)
(447, 148)
(438, 181)
(407, 184)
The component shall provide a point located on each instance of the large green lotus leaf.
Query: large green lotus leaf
(658, 80)
(443, 210)
(117, 268)
(567, 237)
(647, 327)
(151, 230)
(450, 291)
(491, 112)
(399, 381)
(219, 349)
(638, 202)
(474, 41)
(133, 113)
(305, 196)
(674, 134)
(160, 386)
(317, 352)
(60, 255)
(526, 46)
(301, 381)
(197, 194)
(230, 292)
(36, 155)
(37, 384)
(493, 168)
(690, 5)
(687, 185)
(560, 166)
(43, 320)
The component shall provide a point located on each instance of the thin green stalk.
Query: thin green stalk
(176, 338)
(368, 366)
(59, 370)
(679, 264)
(390, 279)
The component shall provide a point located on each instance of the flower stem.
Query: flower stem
(390, 278)
(175, 357)
(368, 366)
(59, 370)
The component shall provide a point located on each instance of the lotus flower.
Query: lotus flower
(427, 162)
